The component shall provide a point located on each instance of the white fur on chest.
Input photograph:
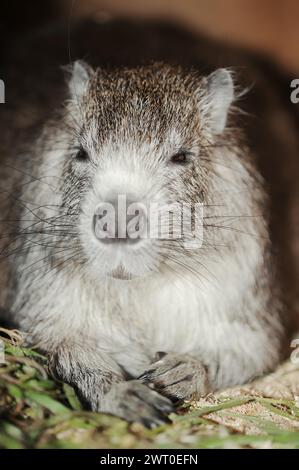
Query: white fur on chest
(171, 314)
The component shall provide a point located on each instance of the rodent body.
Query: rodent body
(188, 321)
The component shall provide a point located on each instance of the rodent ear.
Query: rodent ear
(81, 74)
(220, 87)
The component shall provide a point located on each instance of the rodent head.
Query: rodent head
(143, 135)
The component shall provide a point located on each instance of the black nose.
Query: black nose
(120, 221)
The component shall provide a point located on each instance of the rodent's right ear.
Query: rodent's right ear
(81, 73)
(220, 95)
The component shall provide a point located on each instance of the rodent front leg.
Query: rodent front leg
(177, 376)
(101, 384)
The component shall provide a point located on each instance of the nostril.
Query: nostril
(136, 224)
(119, 221)
(104, 221)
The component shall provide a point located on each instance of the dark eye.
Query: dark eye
(82, 155)
(180, 158)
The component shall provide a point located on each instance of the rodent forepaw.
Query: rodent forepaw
(135, 402)
(178, 377)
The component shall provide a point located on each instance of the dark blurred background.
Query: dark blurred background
(269, 26)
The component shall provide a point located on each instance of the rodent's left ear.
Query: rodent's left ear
(81, 74)
(220, 91)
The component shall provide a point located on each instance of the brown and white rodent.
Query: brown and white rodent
(184, 321)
